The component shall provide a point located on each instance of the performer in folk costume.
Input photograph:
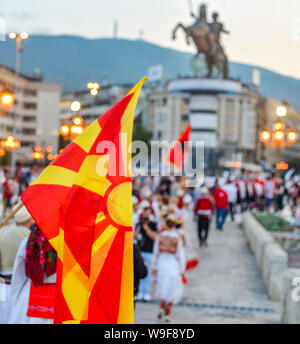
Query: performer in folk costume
(33, 281)
(203, 211)
(169, 265)
(11, 236)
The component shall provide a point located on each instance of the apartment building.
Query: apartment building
(34, 119)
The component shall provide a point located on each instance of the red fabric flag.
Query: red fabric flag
(82, 203)
(178, 151)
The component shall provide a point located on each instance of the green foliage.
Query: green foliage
(5, 159)
(273, 223)
(141, 134)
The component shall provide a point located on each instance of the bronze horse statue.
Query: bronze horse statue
(206, 39)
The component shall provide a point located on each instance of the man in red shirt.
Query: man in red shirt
(204, 209)
(221, 203)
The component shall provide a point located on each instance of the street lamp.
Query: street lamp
(93, 87)
(71, 130)
(7, 99)
(40, 153)
(19, 37)
(10, 144)
(281, 111)
(265, 136)
(292, 136)
(279, 137)
(75, 106)
(64, 130)
(77, 120)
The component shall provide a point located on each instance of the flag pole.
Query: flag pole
(11, 215)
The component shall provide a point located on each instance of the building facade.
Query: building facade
(222, 114)
(237, 127)
(34, 119)
(167, 115)
(91, 106)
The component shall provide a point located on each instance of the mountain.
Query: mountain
(74, 61)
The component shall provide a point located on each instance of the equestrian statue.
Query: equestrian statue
(206, 37)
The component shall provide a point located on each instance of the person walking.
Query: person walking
(145, 233)
(279, 193)
(203, 210)
(231, 191)
(269, 191)
(7, 192)
(221, 204)
(169, 266)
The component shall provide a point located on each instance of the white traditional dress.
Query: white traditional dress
(11, 237)
(169, 261)
(191, 258)
(20, 291)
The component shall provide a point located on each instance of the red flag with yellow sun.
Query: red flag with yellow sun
(82, 203)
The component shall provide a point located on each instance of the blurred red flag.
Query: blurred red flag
(179, 150)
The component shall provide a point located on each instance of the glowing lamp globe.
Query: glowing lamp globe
(281, 111)
(64, 130)
(77, 120)
(265, 136)
(76, 130)
(75, 106)
(7, 99)
(292, 136)
(278, 135)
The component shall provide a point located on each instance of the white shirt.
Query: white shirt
(231, 191)
(269, 190)
(242, 187)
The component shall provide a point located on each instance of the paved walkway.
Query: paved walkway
(226, 287)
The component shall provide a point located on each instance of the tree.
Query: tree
(141, 134)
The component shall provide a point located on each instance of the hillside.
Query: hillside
(75, 60)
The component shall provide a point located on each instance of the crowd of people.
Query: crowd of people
(161, 216)
(163, 211)
(12, 187)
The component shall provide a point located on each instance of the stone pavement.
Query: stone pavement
(225, 288)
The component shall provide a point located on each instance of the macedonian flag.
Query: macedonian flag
(82, 203)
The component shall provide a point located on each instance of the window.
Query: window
(228, 137)
(229, 120)
(28, 131)
(30, 93)
(229, 104)
(31, 106)
(29, 119)
(160, 117)
(185, 117)
(240, 120)
(164, 101)
(27, 144)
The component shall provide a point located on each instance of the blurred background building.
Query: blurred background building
(35, 114)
